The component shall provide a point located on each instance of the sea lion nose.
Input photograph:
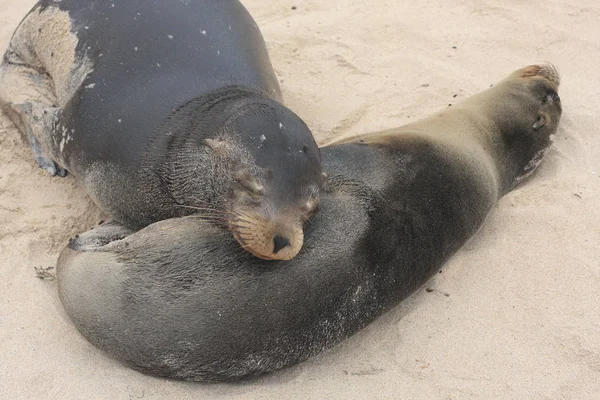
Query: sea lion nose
(279, 242)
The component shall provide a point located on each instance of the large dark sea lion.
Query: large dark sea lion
(176, 300)
(162, 109)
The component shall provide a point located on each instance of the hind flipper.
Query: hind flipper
(27, 97)
(30, 122)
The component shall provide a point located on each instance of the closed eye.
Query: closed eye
(250, 184)
(552, 97)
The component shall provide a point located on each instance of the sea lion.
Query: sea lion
(174, 299)
(164, 109)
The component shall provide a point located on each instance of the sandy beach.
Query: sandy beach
(514, 315)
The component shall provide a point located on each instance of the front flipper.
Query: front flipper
(99, 237)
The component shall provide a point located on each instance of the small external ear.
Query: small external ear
(542, 119)
(325, 175)
(216, 145)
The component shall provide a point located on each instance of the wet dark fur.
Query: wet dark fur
(180, 300)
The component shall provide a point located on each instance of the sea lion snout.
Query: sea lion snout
(269, 206)
(267, 237)
(270, 224)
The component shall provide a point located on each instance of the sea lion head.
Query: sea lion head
(276, 181)
(535, 108)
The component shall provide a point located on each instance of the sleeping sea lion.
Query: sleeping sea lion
(162, 109)
(175, 300)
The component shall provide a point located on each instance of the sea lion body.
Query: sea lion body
(176, 300)
(160, 109)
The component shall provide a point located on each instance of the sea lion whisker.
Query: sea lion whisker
(208, 215)
(207, 218)
(246, 237)
(243, 214)
(240, 222)
(211, 214)
(201, 208)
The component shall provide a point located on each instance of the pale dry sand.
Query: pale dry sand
(521, 318)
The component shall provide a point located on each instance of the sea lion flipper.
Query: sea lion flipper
(33, 124)
(44, 161)
(98, 237)
(27, 97)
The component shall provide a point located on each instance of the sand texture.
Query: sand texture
(514, 315)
